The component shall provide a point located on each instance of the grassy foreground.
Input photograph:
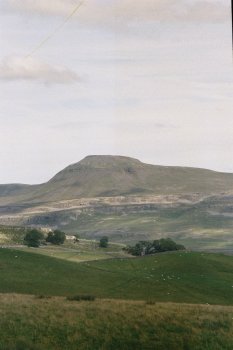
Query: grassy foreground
(27, 322)
(176, 277)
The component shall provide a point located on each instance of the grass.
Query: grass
(175, 277)
(110, 175)
(193, 227)
(84, 250)
(81, 298)
(57, 324)
(12, 234)
(111, 304)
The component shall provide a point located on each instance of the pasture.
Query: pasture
(184, 277)
(32, 323)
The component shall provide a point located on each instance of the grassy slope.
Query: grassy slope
(193, 227)
(57, 324)
(176, 277)
(85, 250)
(112, 175)
(204, 225)
(12, 234)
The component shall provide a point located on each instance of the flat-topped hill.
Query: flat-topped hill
(104, 175)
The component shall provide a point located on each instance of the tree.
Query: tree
(33, 238)
(157, 246)
(49, 237)
(166, 244)
(103, 242)
(56, 237)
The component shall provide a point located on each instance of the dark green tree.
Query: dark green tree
(49, 237)
(165, 245)
(157, 246)
(56, 237)
(103, 242)
(33, 238)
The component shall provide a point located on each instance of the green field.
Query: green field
(175, 277)
(167, 301)
(32, 323)
(84, 250)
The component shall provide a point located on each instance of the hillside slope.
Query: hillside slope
(101, 176)
(183, 277)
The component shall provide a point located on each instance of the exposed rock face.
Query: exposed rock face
(126, 199)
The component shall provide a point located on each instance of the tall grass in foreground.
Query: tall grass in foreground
(27, 322)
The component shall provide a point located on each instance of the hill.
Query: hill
(128, 200)
(101, 176)
(107, 176)
(13, 189)
(136, 305)
(176, 277)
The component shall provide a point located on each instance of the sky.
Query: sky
(149, 79)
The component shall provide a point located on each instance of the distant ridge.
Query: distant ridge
(106, 175)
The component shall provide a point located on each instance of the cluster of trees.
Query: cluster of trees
(35, 238)
(157, 246)
(56, 237)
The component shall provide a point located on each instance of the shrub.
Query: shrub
(42, 296)
(150, 302)
(81, 297)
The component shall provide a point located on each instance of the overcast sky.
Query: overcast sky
(151, 79)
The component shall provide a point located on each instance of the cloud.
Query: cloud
(103, 12)
(54, 7)
(18, 68)
(59, 7)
